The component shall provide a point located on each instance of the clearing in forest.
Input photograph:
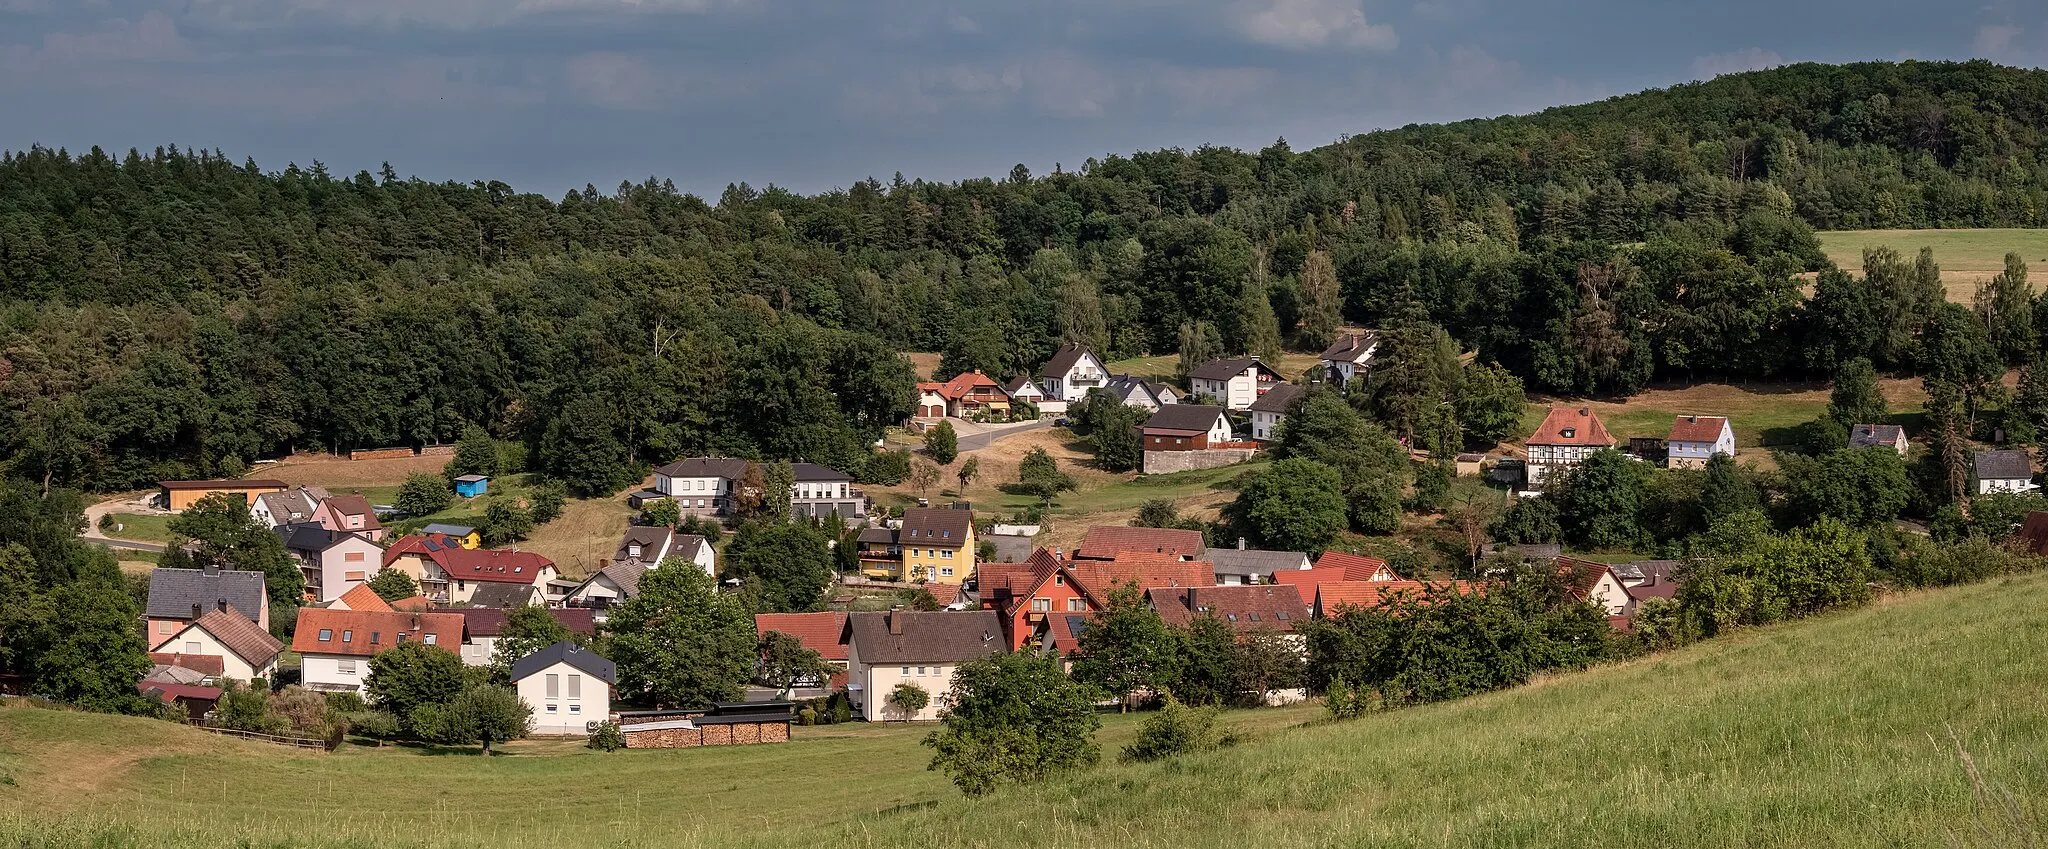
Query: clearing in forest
(1966, 257)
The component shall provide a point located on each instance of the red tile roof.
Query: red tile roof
(1582, 576)
(1584, 427)
(1354, 567)
(361, 597)
(944, 592)
(207, 664)
(1095, 579)
(513, 567)
(1697, 428)
(413, 604)
(239, 635)
(1105, 543)
(1246, 609)
(353, 505)
(425, 545)
(359, 626)
(962, 385)
(169, 693)
(821, 632)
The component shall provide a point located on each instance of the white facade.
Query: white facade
(1996, 485)
(875, 683)
(194, 640)
(707, 488)
(333, 673)
(1344, 370)
(477, 651)
(565, 700)
(1610, 594)
(461, 590)
(1686, 453)
(351, 560)
(1086, 373)
(1263, 424)
(1545, 460)
(1236, 393)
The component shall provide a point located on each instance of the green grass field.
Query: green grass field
(1762, 414)
(137, 526)
(1966, 257)
(1834, 732)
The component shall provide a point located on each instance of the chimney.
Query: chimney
(1585, 411)
(198, 609)
(895, 623)
(1240, 543)
(220, 604)
(211, 568)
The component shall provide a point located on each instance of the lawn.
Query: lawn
(1966, 257)
(142, 527)
(1762, 414)
(1849, 730)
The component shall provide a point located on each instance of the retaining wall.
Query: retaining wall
(1164, 462)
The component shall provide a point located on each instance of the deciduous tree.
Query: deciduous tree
(1013, 718)
(680, 643)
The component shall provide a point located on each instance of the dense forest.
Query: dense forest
(172, 313)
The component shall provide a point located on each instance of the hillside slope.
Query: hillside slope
(1826, 733)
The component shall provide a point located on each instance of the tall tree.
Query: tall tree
(226, 536)
(1320, 301)
(1599, 501)
(1855, 398)
(787, 563)
(526, 630)
(1126, 647)
(1199, 344)
(2005, 304)
(1258, 331)
(1292, 505)
(679, 643)
(1013, 718)
(1490, 402)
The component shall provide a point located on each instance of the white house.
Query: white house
(1695, 439)
(701, 486)
(924, 648)
(247, 652)
(1349, 356)
(1024, 390)
(1271, 409)
(2002, 471)
(567, 686)
(271, 509)
(1595, 582)
(1566, 438)
(609, 588)
(332, 561)
(1145, 395)
(335, 646)
(1235, 384)
(654, 545)
(1072, 371)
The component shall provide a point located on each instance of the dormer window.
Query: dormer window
(1569, 432)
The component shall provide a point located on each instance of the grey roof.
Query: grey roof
(1276, 399)
(1063, 360)
(626, 575)
(1129, 389)
(705, 467)
(926, 637)
(1349, 345)
(472, 478)
(450, 530)
(1191, 417)
(2010, 464)
(1010, 549)
(1640, 570)
(173, 592)
(290, 505)
(1866, 435)
(501, 594)
(937, 526)
(686, 546)
(650, 537)
(1533, 551)
(814, 473)
(1251, 561)
(1018, 383)
(878, 536)
(566, 652)
(307, 536)
(1227, 369)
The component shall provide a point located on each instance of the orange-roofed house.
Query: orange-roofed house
(1027, 596)
(967, 394)
(1567, 437)
(361, 597)
(1594, 582)
(1334, 598)
(1696, 439)
(824, 633)
(1357, 567)
(335, 646)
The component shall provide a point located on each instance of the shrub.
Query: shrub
(1176, 730)
(546, 504)
(375, 724)
(842, 707)
(348, 702)
(807, 716)
(607, 737)
(1347, 702)
(305, 710)
(424, 493)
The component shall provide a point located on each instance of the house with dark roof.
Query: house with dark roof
(178, 597)
(335, 646)
(654, 545)
(1566, 438)
(1271, 409)
(1696, 439)
(333, 562)
(821, 492)
(482, 626)
(1243, 565)
(246, 651)
(568, 686)
(349, 514)
(271, 509)
(1647, 579)
(608, 588)
(1235, 384)
(1873, 435)
(1022, 389)
(506, 595)
(194, 700)
(1186, 427)
(916, 647)
(937, 544)
(1143, 394)
(1349, 356)
(1072, 371)
(2009, 470)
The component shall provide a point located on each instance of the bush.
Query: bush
(424, 493)
(807, 716)
(348, 702)
(546, 504)
(1347, 702)
(607, 737)
(305, 710)
(887, 468)
(1176, 730)
(842, 707)
(375, 724)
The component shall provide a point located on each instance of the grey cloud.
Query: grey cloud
(1746, 59)
(1298, 24)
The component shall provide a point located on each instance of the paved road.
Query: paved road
(978, 441)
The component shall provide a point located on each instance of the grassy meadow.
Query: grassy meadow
(1762, 414)
(1856, 729)
(1966, 257)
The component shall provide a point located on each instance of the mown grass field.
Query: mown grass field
(1966, 257)
(1846, 731)
(1762, 414)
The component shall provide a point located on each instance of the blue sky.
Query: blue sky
(551, 94)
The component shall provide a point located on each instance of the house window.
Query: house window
(1059, 580)
(1041, 604)
(345, 667)
(352, 557)
(348, 635)
(473, 650)
(326, 634)
(165, 628)
(191, 648)
(946, 572)
(551, 708)
(906, 672)
(1074, 605)
(428, 639)
(575, 708)
(575, 686)
(376, 637)
(554, 690)
(945, 554)
(920, 670)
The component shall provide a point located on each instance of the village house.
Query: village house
(701, 486)
(937, 544)
(653, 545)
(821, 492)
(824, 633)
(462, 534)
(1234, 384)
(608, 588)
(965, 396)
(1271, 409)
(1595, 582)
(335, 646)
(482, 626)
(1241, 565)
(1034, 598)
(450, 574)
(1566, 438)
(922, 648)
(1336, 567)
(568, 686)
(359, 597)
(247, 652)
(1349, 356)
(1873, 435)
(2010, 470)
(1023, 390)
(1137, 392)
(332, 561)
(1107, 542)
(1334, 598)
(349, 514)
(178, 495)
(289, 507)
(1245, 609)
(1696, 439)
(195, 701)
(1072, 371)
(1186, 427)
(178, 597)
(880, 554)
(1647, 579)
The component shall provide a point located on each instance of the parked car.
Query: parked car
(1060, 422)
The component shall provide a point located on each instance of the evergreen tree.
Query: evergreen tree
(1258, 331)
(942, 444)
(1725, 491)
(1320, 301)
(2005, 304)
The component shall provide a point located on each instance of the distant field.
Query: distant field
(1966, 257)
(1761, 414)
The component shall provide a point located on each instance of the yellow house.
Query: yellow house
(463, 534)
(937, 544)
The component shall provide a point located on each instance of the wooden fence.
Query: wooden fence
(296, 742)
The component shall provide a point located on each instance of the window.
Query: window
(551, 708)
(920, 670)
(352, 557)
(192, 648)
(1059, 580)
(906, 672)
(326, 634)
(554, 686)
(428, 639)
(945, 571)
(575, 686)
(348, 635)
(1074, 605)
(945, 554)
(345, 667)
(164, 627)
(1041, 604)
(473, 650)
(575, 708)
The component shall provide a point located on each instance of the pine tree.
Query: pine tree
(1259, 331)
(1321, 311)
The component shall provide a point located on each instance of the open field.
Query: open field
(1762, 414)
(151, 527)
(1834, 732)
(1966, 257)
(587, 531)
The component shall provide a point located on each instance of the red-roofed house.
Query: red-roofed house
(450, 574)
(246, 651)
(360, 597)
(1357, 567)
(335, 646)
(1109, 541)
(349, 514)
(824, 633)
(1594, 582)
(1695, 439)
(1029, 598)
(196, 700)
(962, 397)
(1567, 437)
(1334, 598)
(1250, 609)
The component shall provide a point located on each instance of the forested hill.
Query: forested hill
(176, 314)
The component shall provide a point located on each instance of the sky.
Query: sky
(548, 95)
